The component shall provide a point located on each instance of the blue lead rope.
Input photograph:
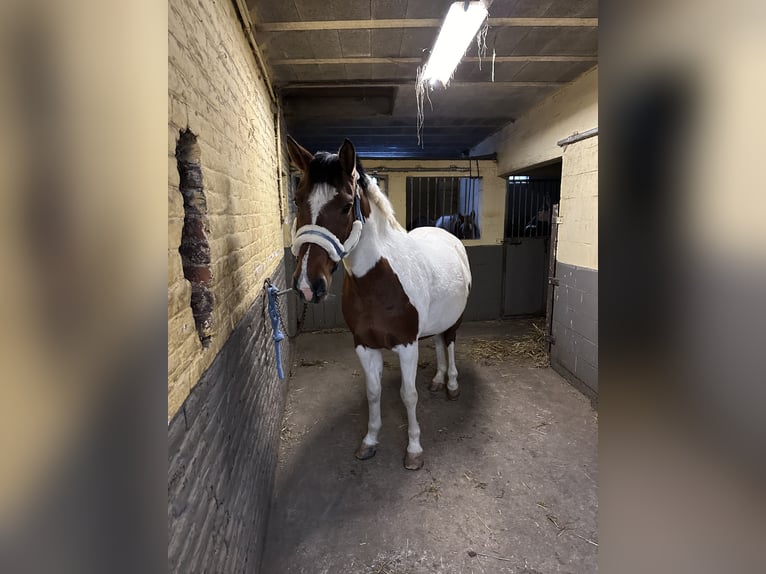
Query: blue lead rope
(278, 336)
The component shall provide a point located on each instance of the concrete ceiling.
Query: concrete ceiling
(348, 69)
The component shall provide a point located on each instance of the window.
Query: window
(528, 206)
(453, 203)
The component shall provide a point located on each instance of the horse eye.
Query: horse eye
(347, 208)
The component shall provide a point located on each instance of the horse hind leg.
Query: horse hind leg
(437, 383)
(453, 391)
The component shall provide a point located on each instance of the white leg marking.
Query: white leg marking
(408, 361)
(372, 363)
(452, 372)
(441, 360)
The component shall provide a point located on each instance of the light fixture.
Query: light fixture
(460, 26)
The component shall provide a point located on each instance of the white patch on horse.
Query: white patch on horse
(303, 283)
(320, 196)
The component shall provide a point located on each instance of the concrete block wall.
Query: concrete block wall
(575, 306)
(225, 402)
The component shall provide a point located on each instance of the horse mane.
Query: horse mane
(325, 168)
(379, 199)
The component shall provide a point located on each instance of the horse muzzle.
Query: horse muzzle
(313, 293)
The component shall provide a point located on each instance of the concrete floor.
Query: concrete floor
(509, 482)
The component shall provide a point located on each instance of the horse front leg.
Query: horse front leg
(408, 361)
(372, 363)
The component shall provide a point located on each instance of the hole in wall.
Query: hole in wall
(194, 248)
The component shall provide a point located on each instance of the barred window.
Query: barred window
(528, 206)
(453, 203)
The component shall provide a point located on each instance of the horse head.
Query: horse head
(329, 205)
(466, 228)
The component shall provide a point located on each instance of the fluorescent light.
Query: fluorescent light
(459, 28)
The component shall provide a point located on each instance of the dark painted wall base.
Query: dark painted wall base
(575, 324)
(222, 453)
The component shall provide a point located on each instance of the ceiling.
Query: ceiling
(348, 69)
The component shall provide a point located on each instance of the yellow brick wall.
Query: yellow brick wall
(492, 216)
(216, 89)
(578, 230)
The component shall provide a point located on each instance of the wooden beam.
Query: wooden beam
(396, 60)
(420, 23)
(385, 83)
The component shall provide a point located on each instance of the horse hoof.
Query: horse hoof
(453, 395)
(365, 451)
(414, 461)
(435, 387)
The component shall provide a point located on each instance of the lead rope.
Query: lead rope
(276, 316)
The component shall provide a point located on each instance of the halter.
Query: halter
(326, 239)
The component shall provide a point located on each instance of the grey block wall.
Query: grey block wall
(222, 453)
(485, 300)
(575, 323)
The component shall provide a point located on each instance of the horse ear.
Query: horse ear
(299, 155)
(473, 215)
(347, 155)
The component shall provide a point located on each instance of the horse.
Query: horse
(459, 225)
(399, 286)
(422, 221)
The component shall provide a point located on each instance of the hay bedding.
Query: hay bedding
(528, 349)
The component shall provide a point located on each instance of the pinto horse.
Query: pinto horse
(399, 287)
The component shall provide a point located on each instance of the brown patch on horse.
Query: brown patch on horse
(377, 310)
(449, 334)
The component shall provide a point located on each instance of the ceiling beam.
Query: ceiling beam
(396, 60)
(419, 23)
(368, 83)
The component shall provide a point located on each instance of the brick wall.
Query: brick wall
(215, 89)
(225, 401)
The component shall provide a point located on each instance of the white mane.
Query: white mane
(379, 200)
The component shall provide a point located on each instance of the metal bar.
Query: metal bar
(428, 198)
(526, 210)
(384, 169)
(576, 137)
(384, 23)
(554, 227)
